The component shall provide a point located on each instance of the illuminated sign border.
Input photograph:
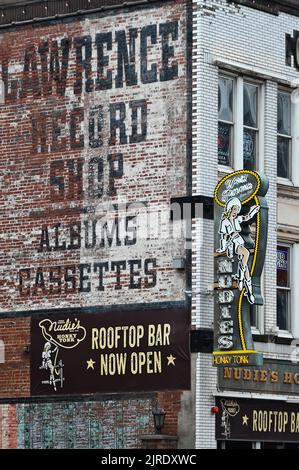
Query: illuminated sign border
(245, 354)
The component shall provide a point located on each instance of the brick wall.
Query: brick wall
(93, 113)
(245, 39)
(15, 371)
(75, 425)
(107, 424)
(74, 141)
(22, 424)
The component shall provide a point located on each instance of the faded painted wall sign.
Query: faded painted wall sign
(111, 352)
(239, 257)
(94, 147)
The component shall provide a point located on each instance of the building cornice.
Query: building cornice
(18, 12)
(271, 6)
(287, 191)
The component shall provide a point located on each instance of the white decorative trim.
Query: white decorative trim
(259, 396)
(252, 71)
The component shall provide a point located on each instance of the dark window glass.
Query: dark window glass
(250, 93)
(225, 99)
(225, 120)
(249, 148)
(283, 287)
(224, 143)
(283, 157)
(279, 445)
(282, 309)
(250, 121)
(230, 445)
(284, 114)
(283, 268)
(284, 141)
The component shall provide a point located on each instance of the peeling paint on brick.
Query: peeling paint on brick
(79, 425)
(70, 142)
(91, 118)
(210, 8)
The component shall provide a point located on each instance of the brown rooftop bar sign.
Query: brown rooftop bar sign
(257, 420)
(110, 352)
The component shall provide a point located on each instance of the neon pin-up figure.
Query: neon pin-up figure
(231, 241)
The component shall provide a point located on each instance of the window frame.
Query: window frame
(257, 84)
(287, 181)
(230, 76)
(288, 331)
(259, 327)
(238, 129)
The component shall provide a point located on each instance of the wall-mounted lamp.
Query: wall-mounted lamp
(159, 418)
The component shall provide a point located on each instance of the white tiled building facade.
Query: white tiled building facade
(246, 44)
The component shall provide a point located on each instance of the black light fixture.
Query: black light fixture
(159, 418)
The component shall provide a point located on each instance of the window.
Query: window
(283, 287)
(225, 121)
(284, 134)
(250, 122)
(240, 121)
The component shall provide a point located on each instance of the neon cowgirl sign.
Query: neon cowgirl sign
(239, 256)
